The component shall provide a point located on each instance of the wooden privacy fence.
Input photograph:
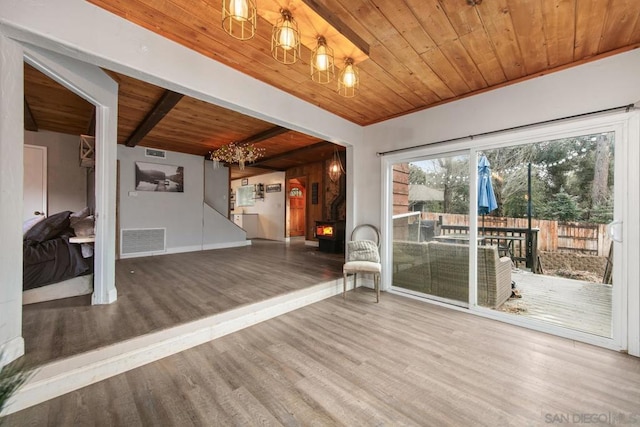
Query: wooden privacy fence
(553, 236)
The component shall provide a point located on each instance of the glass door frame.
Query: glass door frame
(625, 273)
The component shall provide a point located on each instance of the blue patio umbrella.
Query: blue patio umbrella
(486, 197)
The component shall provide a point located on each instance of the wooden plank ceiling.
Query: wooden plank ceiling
(421, 53)
(190, 126)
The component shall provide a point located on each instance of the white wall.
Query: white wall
(216, 187)
(180, 213)
(190, 224)
(271, 210)
(11, 171)
(66, 180)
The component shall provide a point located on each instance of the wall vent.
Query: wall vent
(135, 241)
(152, 152)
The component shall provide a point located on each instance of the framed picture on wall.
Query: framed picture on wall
(157, 177)
(245, 181)
(232, 205)
(273, 188)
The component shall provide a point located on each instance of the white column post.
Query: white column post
(11, 180)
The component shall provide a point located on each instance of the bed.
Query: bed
(54, 267)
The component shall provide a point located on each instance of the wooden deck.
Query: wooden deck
(355, 362)
(569, 303)
(159, 292)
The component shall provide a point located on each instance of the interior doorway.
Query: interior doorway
(35, 182)
(297, 206)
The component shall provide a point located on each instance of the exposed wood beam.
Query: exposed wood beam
(29, 120)
(291, 153)
(271, 168)
(261, 136)
(340, 26)
(168, 100)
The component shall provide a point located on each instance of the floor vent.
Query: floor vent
(142, 241)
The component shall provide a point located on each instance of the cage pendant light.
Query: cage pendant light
(348, 80)
(239, 18)
(335, 167)
(322, 69)
(285, 39)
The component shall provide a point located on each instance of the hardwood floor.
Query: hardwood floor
(163, 291)
(355, 362)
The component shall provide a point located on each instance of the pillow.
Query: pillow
(48, 228)
(84, 227)
(77, 216)
(26, 225)
(363, 250)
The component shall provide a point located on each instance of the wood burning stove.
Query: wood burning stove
(330, 235)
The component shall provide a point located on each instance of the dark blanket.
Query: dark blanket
(48, 257)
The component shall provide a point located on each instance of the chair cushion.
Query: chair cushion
(363, 250)
(362, 266)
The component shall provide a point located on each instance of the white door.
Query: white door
(35, 181)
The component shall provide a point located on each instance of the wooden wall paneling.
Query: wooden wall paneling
(479, 46)
(590, 19)
(528, 25)
(54, 107)
(619, 24)
(464, 20)
(446, 71)
(560, 30)
(458, 56)
(434, 20)
(502, 35)
(409, 87)
(422, 54)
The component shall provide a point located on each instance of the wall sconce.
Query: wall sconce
(322, 69)
(348, 80)
(285, 39)
(239, 18)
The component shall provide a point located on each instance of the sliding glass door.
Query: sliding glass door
(554, 201)
(525, 229)
(428, 259)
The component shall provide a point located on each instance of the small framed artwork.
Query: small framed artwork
(245, 181)
(232, 205)
(273, 188)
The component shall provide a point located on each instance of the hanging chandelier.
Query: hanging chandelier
(234, 153)
(322, 69)
(285, 39)
(239, 18)
(335, 167)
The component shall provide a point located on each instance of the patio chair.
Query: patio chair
(363, 256)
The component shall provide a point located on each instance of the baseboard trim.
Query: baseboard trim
(60, 377)
(184, 249)
(225, 245)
